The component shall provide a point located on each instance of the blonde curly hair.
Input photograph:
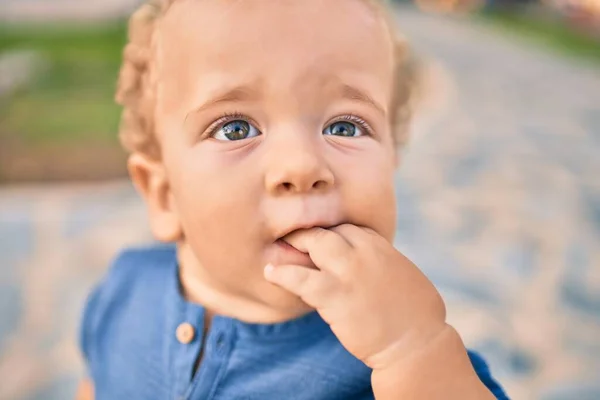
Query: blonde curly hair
(137, 80)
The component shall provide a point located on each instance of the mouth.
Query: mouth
(286, 246)
(282, 236)
(283, 252)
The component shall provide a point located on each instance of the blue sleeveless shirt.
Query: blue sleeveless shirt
(141, 339)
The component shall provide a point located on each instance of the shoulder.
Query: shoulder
(133, 279)
(483, 372)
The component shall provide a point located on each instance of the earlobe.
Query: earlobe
(151, 181)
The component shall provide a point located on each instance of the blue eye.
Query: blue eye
(343, 129)
(236, 130)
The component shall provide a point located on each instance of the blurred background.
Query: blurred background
(498, 196)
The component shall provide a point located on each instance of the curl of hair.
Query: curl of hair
(137, 83)
(135, 87)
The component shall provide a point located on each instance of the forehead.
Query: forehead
(292, 44)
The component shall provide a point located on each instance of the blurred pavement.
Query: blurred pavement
(499, 203)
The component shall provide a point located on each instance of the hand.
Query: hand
(378, 303)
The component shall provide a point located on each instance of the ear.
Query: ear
(150, 179)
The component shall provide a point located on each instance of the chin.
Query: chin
(286, 303)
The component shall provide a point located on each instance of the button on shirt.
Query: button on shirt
(141, 340)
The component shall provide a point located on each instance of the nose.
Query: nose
(297, 165)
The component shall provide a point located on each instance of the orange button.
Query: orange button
(185, 333)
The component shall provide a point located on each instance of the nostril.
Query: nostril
(319, 184)
(290, 187)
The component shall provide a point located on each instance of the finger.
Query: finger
(309, 284)
(356, 235)
(352, 233)
(327, 248)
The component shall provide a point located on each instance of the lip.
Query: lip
(291, 213)
(280, 252)
(283, 253)
(298, 227)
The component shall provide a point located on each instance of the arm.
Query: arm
(85, 391)
(440, 370)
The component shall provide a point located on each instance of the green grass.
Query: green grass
(550, 33)
(71, 100)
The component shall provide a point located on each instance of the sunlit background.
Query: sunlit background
(498, 196)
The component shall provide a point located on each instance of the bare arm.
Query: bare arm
(441, 370)
(85, 391)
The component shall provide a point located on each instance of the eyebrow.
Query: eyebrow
(238, 93)
(352, 93)
(246, 93)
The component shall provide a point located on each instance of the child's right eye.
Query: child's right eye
(236, 130)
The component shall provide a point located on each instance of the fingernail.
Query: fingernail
(269, 269)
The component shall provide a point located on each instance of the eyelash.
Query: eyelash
(233, 116)
(224, 119)
(357, 120)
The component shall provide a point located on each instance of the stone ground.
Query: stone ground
(499, 203)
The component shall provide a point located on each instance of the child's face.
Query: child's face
(255, 106)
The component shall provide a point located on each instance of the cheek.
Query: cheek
(215, 206)
(386, 218)
(213, 190)
(381, 207)
(370, 196)
(208, 180)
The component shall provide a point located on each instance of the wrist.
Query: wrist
(411, 342)
(440, 369)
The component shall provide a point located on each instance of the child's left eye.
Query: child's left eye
(344, 129)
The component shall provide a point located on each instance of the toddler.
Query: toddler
(263, 137)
